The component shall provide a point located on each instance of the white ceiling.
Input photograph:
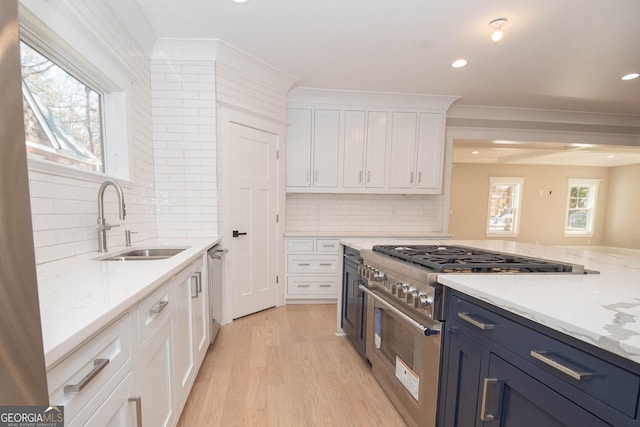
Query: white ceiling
(539, 153)
(556, 54)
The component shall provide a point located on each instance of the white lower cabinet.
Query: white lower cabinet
(139, 370)
(312, 269)
(190, 328)
(155, 378)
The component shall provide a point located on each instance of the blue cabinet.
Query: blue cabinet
(501, 369)
(353, 302)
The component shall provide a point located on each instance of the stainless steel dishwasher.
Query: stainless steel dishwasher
(215, 267)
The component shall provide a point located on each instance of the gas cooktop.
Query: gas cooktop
(462, 259)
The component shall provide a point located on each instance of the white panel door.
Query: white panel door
(376, 149)
(254, 207)
(326, 143)
(354, 134)
(299, 148)
(403, 150)
(430, 152)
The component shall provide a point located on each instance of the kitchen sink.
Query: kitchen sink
(143, 254)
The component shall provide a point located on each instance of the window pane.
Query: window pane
(63, 116)
(502, 211)
(580, 211)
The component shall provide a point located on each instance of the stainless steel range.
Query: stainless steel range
(405, 314)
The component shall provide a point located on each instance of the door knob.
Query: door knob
(236, 233)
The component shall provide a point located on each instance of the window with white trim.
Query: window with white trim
(581, 207)
(505, 194)
(75, 95)
(62, 114)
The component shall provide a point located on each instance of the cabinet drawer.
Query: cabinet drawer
(327, 245)
(299, 245)
(78, 378)
(572, 370)
(318, 264)
(302, 285)
(153, 309)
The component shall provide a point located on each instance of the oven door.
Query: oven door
(404, 360)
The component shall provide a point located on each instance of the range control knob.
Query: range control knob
(378, 276)
(412, 294)
(395, 287)
(423, 302)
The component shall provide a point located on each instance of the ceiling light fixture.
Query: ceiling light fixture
(239, 1)
(475, 152)
(497, 25)
(630, 76)
(459, 63)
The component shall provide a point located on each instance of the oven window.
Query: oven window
(396, 339)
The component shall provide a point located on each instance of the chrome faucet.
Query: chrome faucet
(102, 226)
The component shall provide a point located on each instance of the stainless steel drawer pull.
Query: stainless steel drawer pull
(198, 275)
(329, 245)
(325, 286)
(303, 286)
(325, 264)
(138, 401)
(541, 355)
(306, 264)
(486, 399)
(467, 318)
(98, 365)
(158, 307)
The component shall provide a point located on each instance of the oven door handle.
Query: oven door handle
(423, 329)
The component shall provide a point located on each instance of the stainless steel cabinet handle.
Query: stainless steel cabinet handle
(158, 307)
(411, 178)
(368, 177)
(490, 382)
(198, 275)
(484, 326)
(541, 355)
(419, 177)
(98, 365)
(138, 401)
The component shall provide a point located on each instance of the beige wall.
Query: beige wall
(623, 215)
(543, 206)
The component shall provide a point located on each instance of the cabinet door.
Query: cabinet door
(119, 409)
(326, 138)
(376, 149)
(403, 150)
(354, 128)
(299, 148)
(462, 380)
(186, 292)
(513, 398)
(200, 319)
(155, 378)
(430, 152)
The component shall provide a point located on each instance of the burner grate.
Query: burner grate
(461, 259)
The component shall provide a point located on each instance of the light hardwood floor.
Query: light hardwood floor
(286, 367)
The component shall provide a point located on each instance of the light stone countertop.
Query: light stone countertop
(79, 296)
(369, 234)
(600, 309)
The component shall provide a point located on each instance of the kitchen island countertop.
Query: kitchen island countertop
(79, 296)
(600, 309)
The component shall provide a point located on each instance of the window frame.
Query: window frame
(515, 219)
(593, 202)
(71, 44)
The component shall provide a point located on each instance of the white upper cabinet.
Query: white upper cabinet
(326, 137)
(351, 142)
(430, 154)
(376, 151)
(353, 164)
(403, 151)
(313, 143)
(299, 148)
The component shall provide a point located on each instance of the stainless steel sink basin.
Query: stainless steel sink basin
(144, 254)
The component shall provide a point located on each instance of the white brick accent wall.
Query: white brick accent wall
(355, 213)
(184, 134)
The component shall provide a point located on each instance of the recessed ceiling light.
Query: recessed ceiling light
(239, 1)
(630, 76)
(475, 152)
(610, 156)
(459, 63)
(497, 25)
